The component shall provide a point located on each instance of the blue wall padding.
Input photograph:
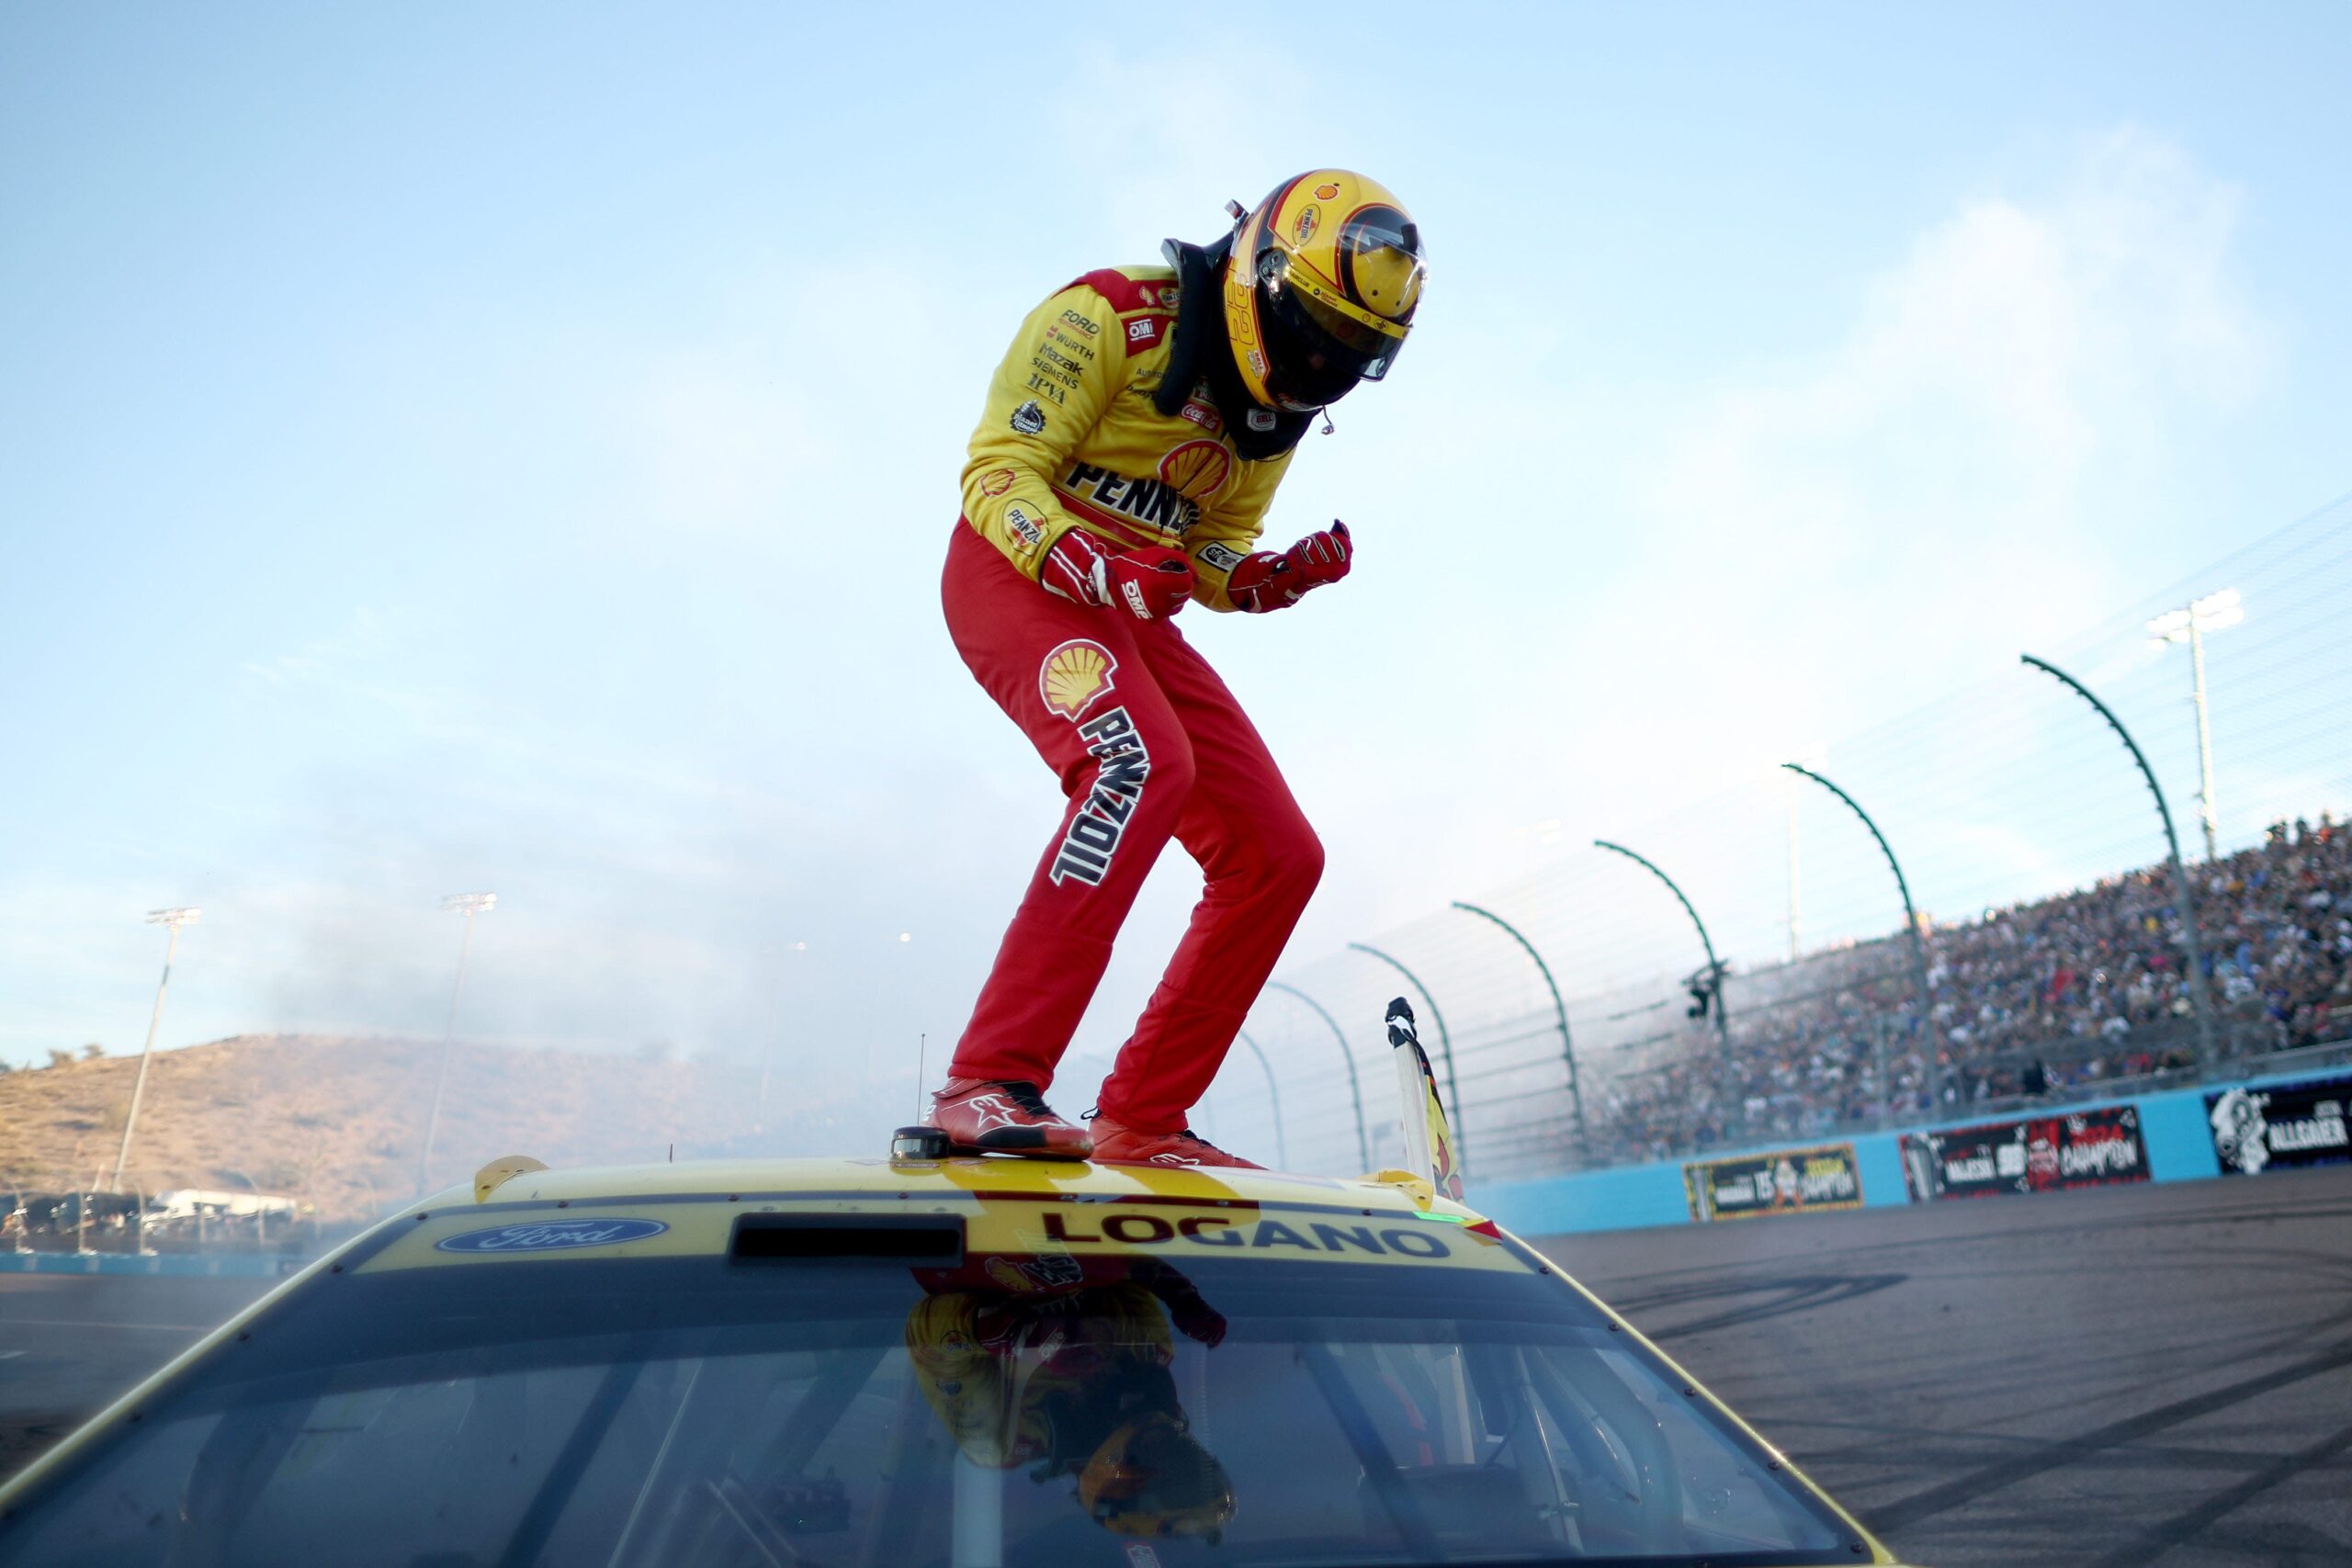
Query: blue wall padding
(1623, 1199)
(2172, 1125)
(1878, 1157)
(2179, 1140)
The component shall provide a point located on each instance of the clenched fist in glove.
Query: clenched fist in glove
(1268, 581)
(1149, 584)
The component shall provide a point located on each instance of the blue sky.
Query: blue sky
(445, 448)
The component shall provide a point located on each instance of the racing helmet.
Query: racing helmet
(1150, 1477)
(1320, 290)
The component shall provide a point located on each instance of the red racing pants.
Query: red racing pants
(1148, 745)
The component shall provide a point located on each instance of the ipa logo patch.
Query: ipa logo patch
(1073, 675)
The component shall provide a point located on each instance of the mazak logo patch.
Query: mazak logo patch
(1028, 418)
(1073, 675)
(1122, 765)
(551, 1236)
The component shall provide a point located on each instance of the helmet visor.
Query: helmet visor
(1318, 342)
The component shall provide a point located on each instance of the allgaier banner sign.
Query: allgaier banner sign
(2281, 1126)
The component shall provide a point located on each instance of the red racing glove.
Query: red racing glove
(1270, 582)
(1149, 584)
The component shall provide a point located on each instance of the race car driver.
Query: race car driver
(1130, 443)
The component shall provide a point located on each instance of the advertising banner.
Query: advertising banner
(2039, 1154)
(2284, 1126)
(1789, 1182)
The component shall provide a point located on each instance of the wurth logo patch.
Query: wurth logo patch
(1122, 764)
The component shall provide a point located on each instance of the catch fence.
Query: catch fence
(2054, 955)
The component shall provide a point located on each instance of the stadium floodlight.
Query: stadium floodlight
(171, 920)
(2214, 613)
(469, 905)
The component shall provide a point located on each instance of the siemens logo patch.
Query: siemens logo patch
(551, 1236)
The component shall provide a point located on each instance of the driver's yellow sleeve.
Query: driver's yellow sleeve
(1061, 374)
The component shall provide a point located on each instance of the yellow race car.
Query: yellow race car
(930, 1362)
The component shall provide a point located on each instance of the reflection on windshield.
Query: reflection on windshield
(1071, 1378)
(1020, 1409)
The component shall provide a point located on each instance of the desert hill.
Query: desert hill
(339, 1122)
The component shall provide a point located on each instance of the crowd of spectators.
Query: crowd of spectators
(2087, 987)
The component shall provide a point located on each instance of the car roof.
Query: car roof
(821, 1180)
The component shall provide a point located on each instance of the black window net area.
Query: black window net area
(1014, 1410)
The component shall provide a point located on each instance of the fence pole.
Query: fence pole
(1910, 914)
(1355, 1085)
(1560, 1009)
(1714, 972)
(1444, 1046)
(1275, 1094)
(2180, 888)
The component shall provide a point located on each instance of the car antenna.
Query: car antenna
(922, 1051)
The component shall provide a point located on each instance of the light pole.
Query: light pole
(1274, 1093)
(1559, 1010)
(2214, 612)
(2180, 890)
(469, 905)
(1444, 1046)
(1355, 1084)
(171, 920)
(1715, 970)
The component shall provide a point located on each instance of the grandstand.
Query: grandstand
(2054, 946)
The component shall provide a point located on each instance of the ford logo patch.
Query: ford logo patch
(551, 1236)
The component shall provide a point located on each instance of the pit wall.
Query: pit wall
(2177, 1140)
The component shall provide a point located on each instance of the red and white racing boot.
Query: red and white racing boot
(1115, 1145)
(980, 1117)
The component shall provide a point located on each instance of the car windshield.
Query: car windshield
(1017, 1407)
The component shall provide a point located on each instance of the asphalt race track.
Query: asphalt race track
(69, 1343)
(2101, 1379)
(2137, 1375)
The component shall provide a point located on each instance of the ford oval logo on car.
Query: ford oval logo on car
(551, 1236)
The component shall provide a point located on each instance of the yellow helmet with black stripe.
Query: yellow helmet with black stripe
(1325, 276)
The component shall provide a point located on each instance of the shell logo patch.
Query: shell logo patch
(1073, 675)
(1197, 469)
(1327, 191)
(997, 483)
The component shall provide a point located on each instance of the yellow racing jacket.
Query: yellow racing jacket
(1073, 438)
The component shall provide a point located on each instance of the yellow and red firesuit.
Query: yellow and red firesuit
(1072, 437)
(1123, 413)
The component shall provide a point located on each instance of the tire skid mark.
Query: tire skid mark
(2047, 1456)
(1797, 1294)
(2187, 1526)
